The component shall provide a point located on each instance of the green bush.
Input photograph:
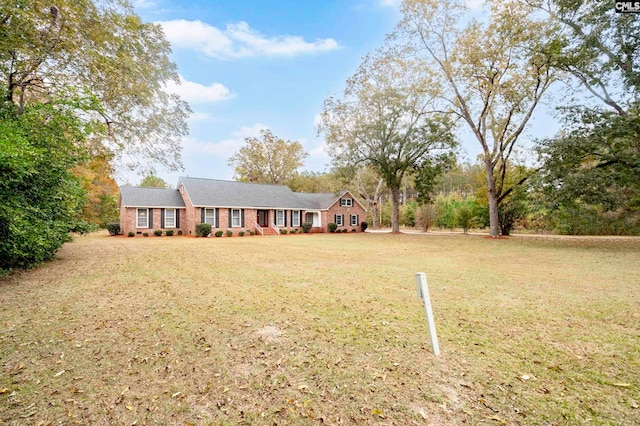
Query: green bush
(294, 231)
(179, 231)
(251, 233)
(113, 228)
(283, 231)
(131, 234)
(229, 233)
(219, 234)
(157, 232)
(41, 200)
(145, 234)
(169, 232)
(354, 230)
(241, 234)
(364, 226)
(203, 229)
(332, 227)
(306, 227)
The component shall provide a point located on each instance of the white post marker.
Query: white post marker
(423, 293)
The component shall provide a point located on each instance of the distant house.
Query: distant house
(237, 206)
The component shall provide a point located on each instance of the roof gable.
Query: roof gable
(138, 196)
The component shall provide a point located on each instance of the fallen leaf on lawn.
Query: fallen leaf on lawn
(5, 390)
(129, 407)
(176, 394)
(526, 377)
(59, 373)
(378, 413)
(622, 385)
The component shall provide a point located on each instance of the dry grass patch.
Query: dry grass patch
(323, 328)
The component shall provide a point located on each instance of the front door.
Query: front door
(263, 218)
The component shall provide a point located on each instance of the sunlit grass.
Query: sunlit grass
(307, 328)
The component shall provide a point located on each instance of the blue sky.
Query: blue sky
(246, 65)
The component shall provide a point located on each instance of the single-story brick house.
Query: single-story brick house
(237, 206)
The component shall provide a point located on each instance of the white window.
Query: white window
(279, 217)
(236, 220)
(169, 218)
(346, 202)
(308, 217)
(210, 217)
(354, 220)
(295, 218)
(142, 218)
(339, 219)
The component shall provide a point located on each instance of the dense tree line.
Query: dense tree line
(488, 75)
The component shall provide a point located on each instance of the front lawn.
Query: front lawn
(311, 329)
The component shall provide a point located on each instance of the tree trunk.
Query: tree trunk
(494, 218)
(395, 217)
(374, 215)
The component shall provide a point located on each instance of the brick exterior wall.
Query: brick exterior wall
(128, 221)
(356, 209)
(190, 216)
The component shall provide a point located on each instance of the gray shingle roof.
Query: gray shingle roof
(137, 196)
(222, 193)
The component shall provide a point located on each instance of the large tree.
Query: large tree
(268, 159)
(78, 79)
(600, 49)
(101, 204)
(371, 189)
(489, 74)
(153, 181)
(385, 121)
(98, 50)
(590, 168)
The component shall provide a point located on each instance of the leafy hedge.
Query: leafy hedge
(40, 198)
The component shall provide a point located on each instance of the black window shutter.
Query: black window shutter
(150, 218)
(284, 213)
(202, 215)
(162, 218)
(177, 218)
(335, 218)
(230, 210)
(217, 218)
(242, 218)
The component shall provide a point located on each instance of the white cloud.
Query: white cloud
(196, 93)
(390, 3)
(225, 147)
(317, 120)
(238, 40)
(249, 131)
(143, 4)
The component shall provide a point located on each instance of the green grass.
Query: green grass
(324, 328)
